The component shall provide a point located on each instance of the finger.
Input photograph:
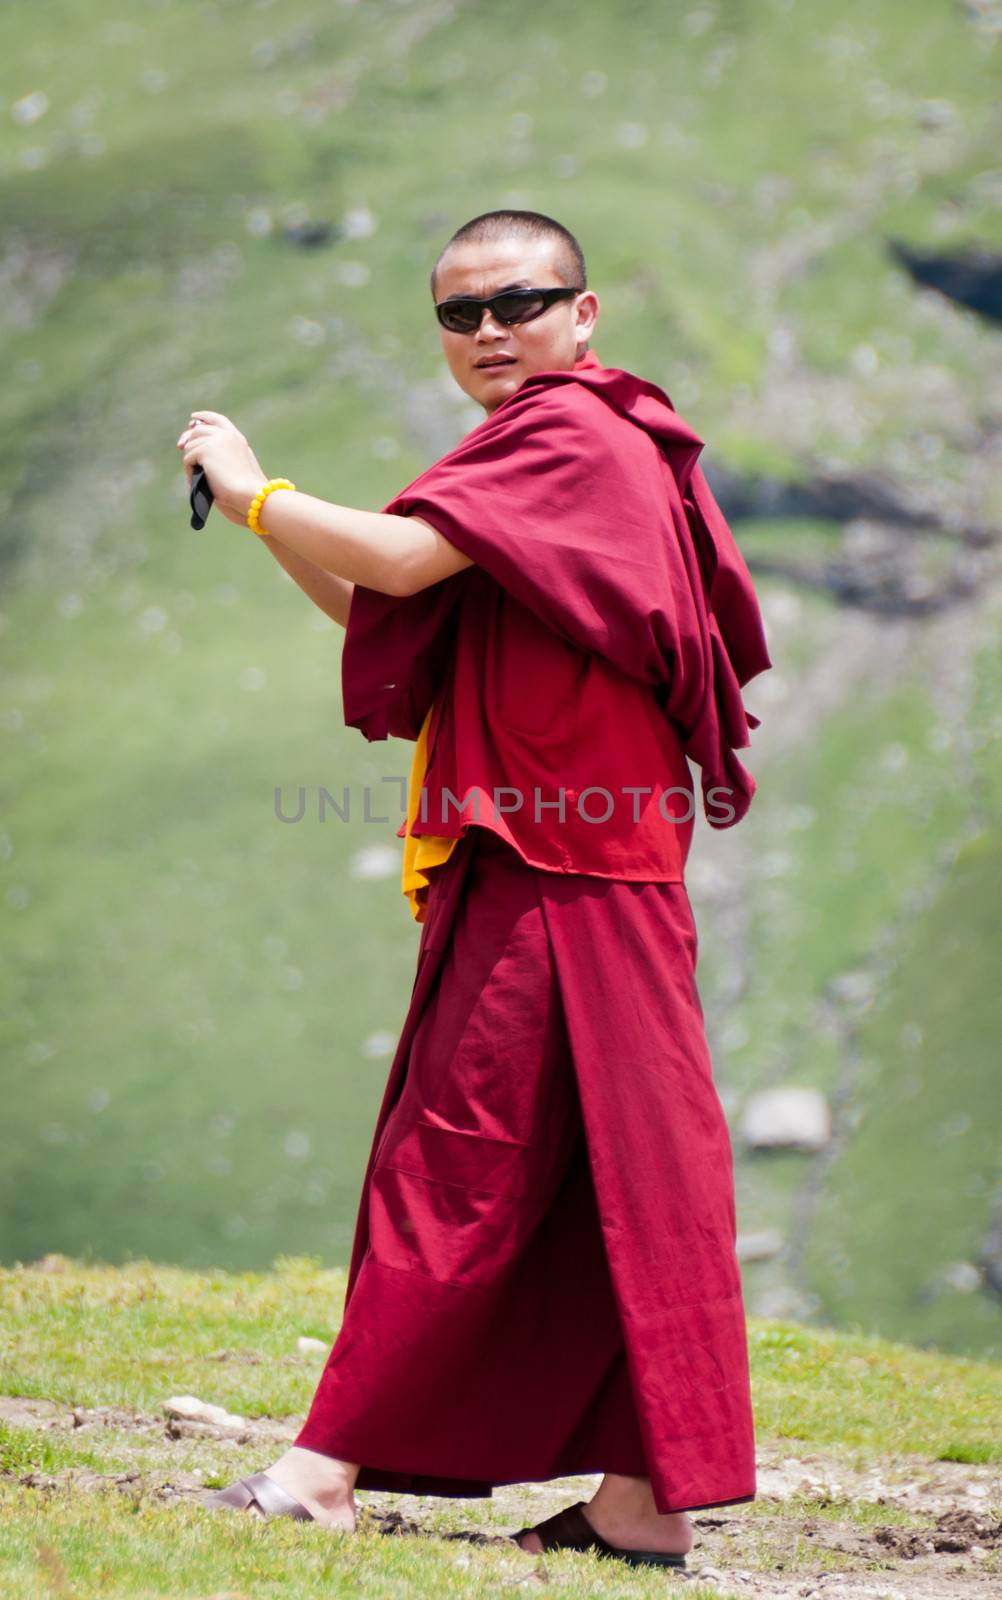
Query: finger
(192, 453)
(195, 436)
(199, 414)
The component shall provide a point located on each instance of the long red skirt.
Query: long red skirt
(543, 1280)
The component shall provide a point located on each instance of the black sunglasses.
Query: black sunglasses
(464, 314)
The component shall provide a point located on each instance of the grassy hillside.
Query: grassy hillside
(866, 970)
(98, 1495)
(200, 1001)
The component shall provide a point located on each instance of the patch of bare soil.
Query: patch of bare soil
(30, 1413)
(897, 1529)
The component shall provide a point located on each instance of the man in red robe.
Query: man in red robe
(543, 1278)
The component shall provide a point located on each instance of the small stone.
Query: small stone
(188, 1408)
(53, 1262)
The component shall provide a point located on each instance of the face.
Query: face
(551, 342)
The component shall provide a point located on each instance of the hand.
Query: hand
(235, 475)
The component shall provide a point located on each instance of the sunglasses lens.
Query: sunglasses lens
(461, 316)
(519, 307)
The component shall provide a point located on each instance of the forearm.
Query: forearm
(331, 593)
(366, 547)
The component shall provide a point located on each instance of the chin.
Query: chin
(500, 384)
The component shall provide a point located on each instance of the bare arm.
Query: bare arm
(325, 589)
(395, 555)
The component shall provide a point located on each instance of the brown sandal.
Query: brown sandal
(570, 1530)
(260, 1491)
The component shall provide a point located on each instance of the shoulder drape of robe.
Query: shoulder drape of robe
(581, 495)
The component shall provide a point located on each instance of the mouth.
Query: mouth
(495, 361)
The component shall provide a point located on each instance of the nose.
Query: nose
(489, 325)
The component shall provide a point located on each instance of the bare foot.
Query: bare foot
(623, 1513)
(667, 1531)
(324, 1485)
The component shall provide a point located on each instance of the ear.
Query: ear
(587, 312)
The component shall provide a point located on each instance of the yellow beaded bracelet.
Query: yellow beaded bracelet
(259, 499)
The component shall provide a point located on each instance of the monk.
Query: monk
(543, 1278)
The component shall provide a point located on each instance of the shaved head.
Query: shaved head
(566, 256)
(508, 250)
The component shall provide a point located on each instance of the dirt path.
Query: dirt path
(907, 1529)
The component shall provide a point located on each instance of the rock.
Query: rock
(853, 988)
(375, 861)
(759, 1246)
(188, 1408)
(971, 277)
(990, 1259)
(310, 234)
(963, 1277)
(787, 1117)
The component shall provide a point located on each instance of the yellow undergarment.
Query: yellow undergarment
(424, 851)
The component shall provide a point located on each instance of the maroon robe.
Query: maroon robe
(561, 753)
(543, 1278)
(581, 496)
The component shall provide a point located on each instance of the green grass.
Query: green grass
(97, 1516)
(926, 1101)
(896, 879)
(148, 1552)
(191, 985)
(132, 1336)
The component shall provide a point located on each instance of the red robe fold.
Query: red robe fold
(563, 755)
(543, 1279)
(581, 496)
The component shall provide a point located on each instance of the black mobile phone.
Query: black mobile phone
(201, 497)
